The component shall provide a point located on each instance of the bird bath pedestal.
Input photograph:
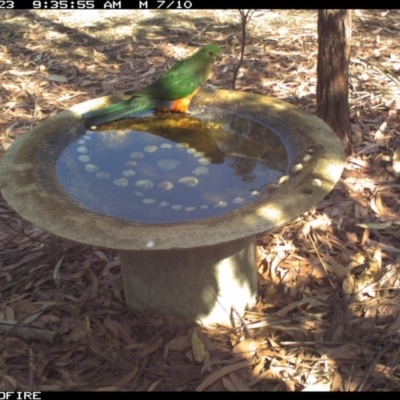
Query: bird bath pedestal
(185, 222)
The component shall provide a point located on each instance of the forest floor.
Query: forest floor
(328, 314)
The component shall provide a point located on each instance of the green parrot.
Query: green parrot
(173, 91)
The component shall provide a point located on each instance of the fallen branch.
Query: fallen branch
(27, 334)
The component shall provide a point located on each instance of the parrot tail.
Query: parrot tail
(123, 109)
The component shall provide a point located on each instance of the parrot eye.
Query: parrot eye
(211, 53)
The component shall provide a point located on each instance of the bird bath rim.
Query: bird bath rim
(316, 160)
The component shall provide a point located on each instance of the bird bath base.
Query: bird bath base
(201, 284)
(200, 266)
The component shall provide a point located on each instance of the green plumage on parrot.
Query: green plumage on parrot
(173, 91)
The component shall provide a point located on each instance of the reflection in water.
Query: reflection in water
(185, 169)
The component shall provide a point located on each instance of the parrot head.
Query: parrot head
(210, 51)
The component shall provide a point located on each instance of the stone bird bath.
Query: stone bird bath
(184, 221)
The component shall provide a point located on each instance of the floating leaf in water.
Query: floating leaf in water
(168, 164)
(150, 149)
(102, 175)
(254, 194)
(167, 185)
(144, 183)
(91, 167)
(182, 146)
(204, 161)
(83, 158)
(149, 201)
(285, 178)
(189, 181)
(137, 154)
(121, 182)
(128, 172)
(201, 171)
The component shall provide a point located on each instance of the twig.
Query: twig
(321, 260)
(369, 371)
(383, 70)
(243, 322)
(265, 323)
(32, 370)
(245, 16)
(198, 34)
(32, 98)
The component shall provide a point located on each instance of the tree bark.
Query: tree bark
(334, 36)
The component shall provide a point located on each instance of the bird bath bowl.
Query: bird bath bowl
(181, 197)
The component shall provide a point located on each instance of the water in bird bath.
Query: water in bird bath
(171, 168)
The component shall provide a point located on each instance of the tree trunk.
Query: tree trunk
(334, 35)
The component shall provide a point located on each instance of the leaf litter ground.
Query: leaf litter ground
(328, 312)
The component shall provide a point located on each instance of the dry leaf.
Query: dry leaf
(378, 257)
(153, 385)
(239, 384)
(151, 348)
(86, 82)
(346, 351)
(109, 323)
(371, 225)
(318, 387)
(224, 371)
(180, 343)
(57, 78)
(198, 348)
(349, 285)
(56, 272)
(9, 383)
(336, 382)
(336, 268)
(95, 284)
(107, 389)
(36, 315)
(229, 385)
(285, 310)
(396, 161)
(245, 349)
